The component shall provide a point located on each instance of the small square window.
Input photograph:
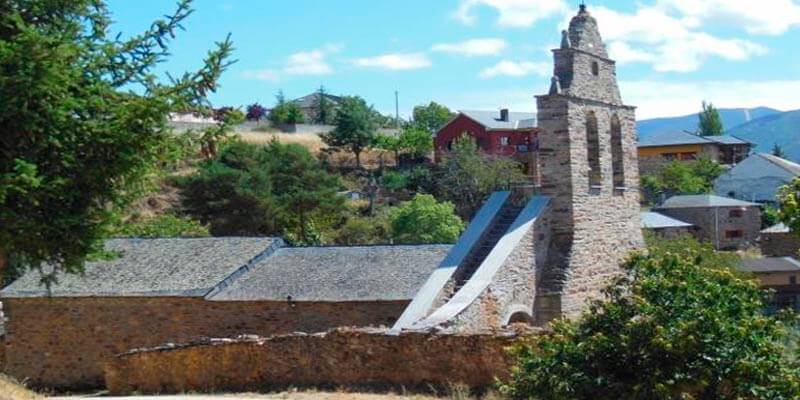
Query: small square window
(504, 140)
(736, 213)
(737, 234)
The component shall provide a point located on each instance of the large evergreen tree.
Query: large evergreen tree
(324, 111)
(83, 119)
(710, 123)
(356, 127)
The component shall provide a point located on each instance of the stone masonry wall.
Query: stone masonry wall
(712, 225)
(338, 358)
(64, 342)
(779, 244)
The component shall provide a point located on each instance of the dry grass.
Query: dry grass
(310, 141)
(11, 390)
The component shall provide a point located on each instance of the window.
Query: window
(669, 156)
(595, 68)
(593, 150)
(736, 213)
(735, 234)
(793, 280)
(687, 156)
(503, 140)
(617, 154)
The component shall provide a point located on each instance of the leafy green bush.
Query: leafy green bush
(364, 230)
(681, 177)
(163, 226)
(424, 220)
(675, 327)
(394, 181)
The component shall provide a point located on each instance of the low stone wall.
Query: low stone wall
(779, 244)
(355, 358)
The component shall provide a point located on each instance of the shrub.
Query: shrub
(363, 230)
(394, 181)
(424, 220)
(675, 327)
(163, 226)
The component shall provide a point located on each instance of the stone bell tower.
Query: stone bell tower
(589, 168)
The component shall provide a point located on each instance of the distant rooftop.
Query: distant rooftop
(779, 228)
(782, 163)
(770, 264)
(151, 267)
(311, 100)
(654, 220)
(682, 138)
(491, 119)
(360, 273)
(703, 200)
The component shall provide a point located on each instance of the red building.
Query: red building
(512, 134)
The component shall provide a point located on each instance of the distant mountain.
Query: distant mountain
(731, 117)
(782, 128)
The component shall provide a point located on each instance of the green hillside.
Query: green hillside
(782, 129)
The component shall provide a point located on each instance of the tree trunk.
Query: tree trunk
(358, 158)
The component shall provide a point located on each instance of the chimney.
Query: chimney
(504, 114)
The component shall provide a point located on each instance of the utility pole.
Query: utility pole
(396, 109)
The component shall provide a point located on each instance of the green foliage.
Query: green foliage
(789, 205)
(424, 220)
(355, 127)
(467, 177)
(681, 177)
(285, 112)
(415, 141)
(84, 119)
(324, 110)
(678, 325)
(777, 151)
(770, 216)
(431, 117)
(394, 181)
(710, 123)
(163, 226)
(278, 189)
(364, 231)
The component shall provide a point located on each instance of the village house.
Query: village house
(309, 103)
(524, 258)
(779, 274)
(757, 178)
(726, 223)
(503, 132)
(657, 150)
(665, 227)
(779, 241)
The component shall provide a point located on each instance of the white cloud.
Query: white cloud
(512, 13)
(663, 98)
(668, 43)
(311, 62)
(771, 17)
(474, 47)
(395, 61)
(516, 69)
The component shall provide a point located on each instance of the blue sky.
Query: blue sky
(487, 54)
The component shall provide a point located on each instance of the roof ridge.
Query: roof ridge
(250, 264)
(775, 161)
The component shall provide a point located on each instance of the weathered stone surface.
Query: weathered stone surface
(64, 342)
(779, 244)
(337, 358)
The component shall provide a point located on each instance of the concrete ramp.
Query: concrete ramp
(495, 282)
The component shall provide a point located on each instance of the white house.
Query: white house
(757, 178)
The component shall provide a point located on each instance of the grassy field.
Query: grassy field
(11, 390)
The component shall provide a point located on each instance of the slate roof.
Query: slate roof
(310, 100)
(333, 274)
(491, 119)
(654, 220)
(779, 228)
(683, 138)
(704, 200)
(152, 267)
(782, 163)
(770, 264)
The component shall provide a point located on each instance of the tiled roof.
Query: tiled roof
(703, 200)
(359, 273)
(310, 100)
(152, 267)
(491, 119)
(654, 220)
(770, 264)
(682, 138)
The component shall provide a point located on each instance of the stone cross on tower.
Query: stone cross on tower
(589, 168)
